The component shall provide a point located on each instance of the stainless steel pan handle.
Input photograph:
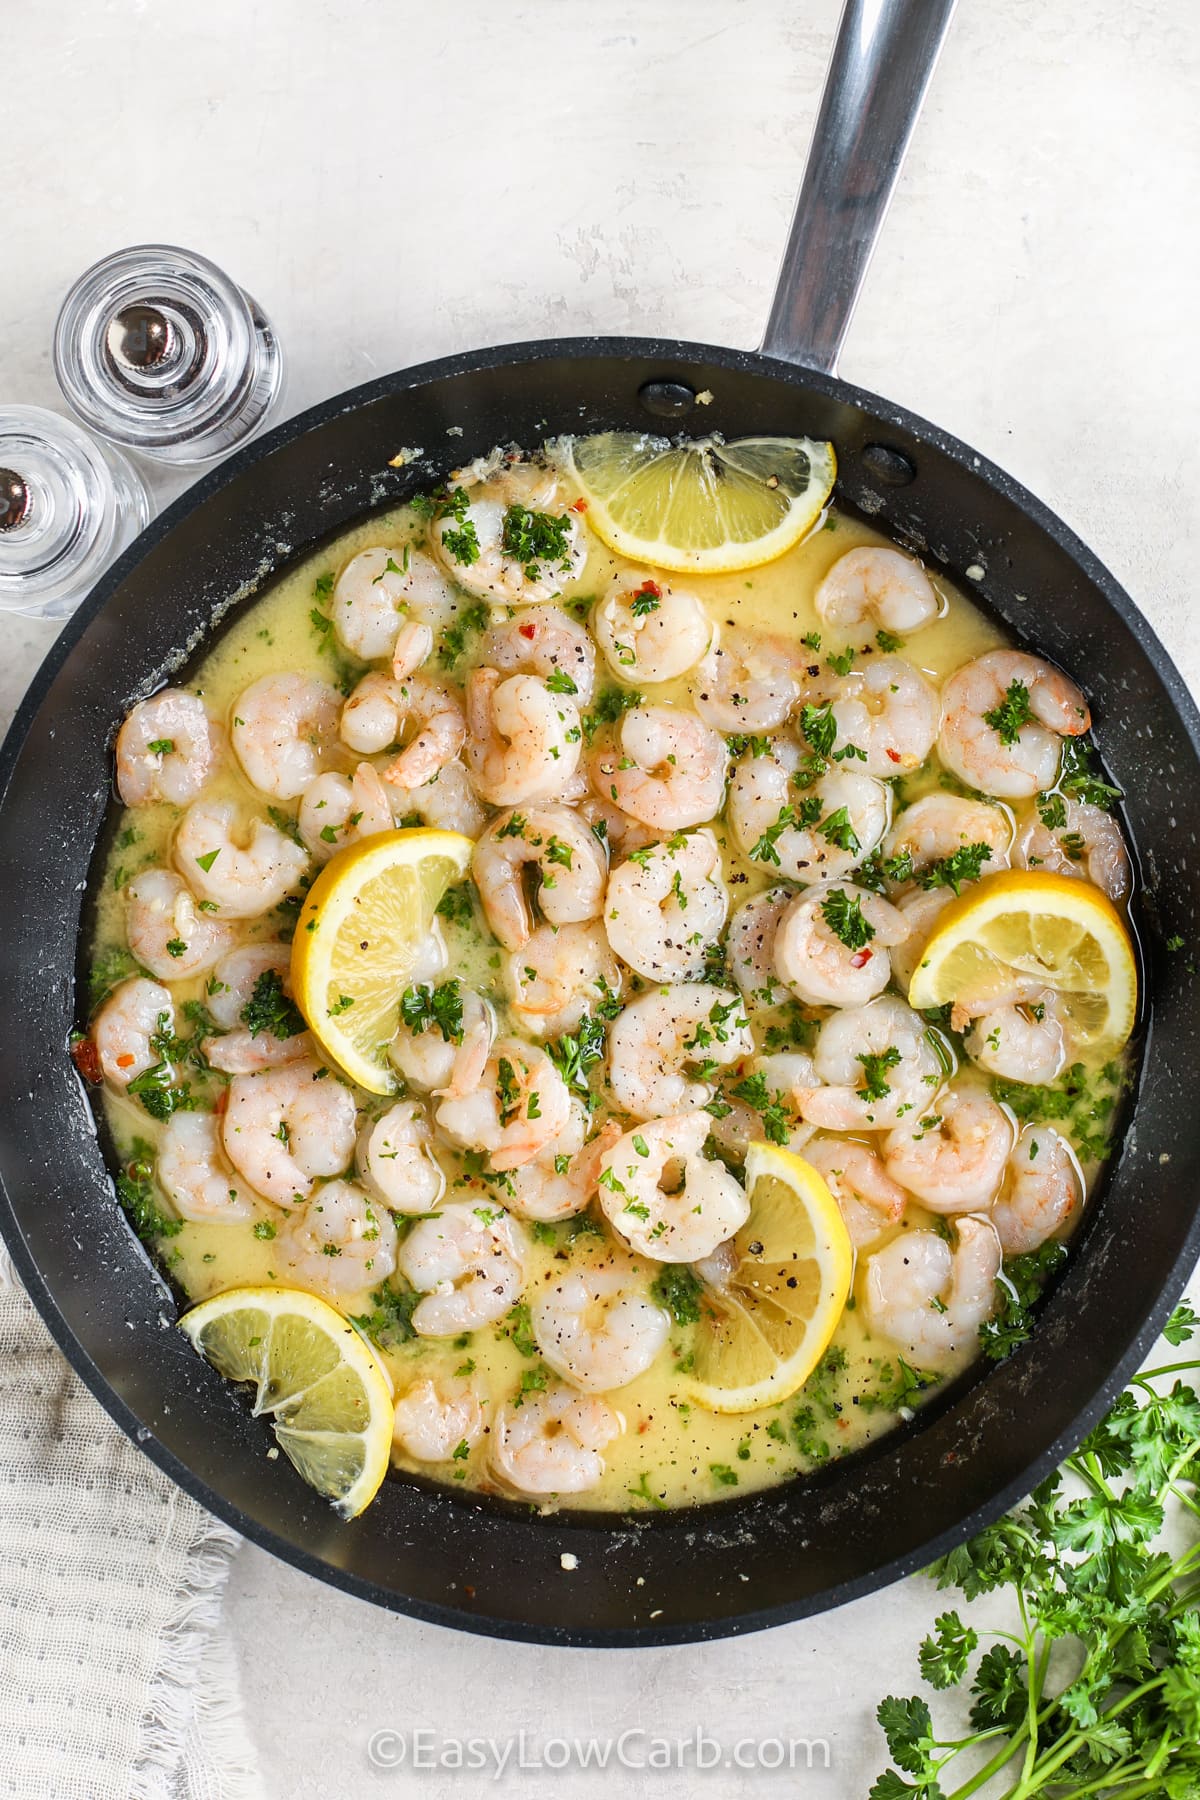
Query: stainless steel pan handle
(882, 61)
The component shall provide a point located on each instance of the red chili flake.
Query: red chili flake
(861, 958)
(127, 1061)
(528, 630)
(86, 1058)
(652, 588)
(893, 756)
(579, 505)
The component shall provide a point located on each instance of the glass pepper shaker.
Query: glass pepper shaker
(68, 507)
(157, 349)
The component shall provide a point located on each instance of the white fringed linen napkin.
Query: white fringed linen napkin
(116, 1682)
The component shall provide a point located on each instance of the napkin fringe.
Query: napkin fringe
(194, 1693)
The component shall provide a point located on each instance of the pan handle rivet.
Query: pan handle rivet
(667, 399)
(890, 466)
(14, 499)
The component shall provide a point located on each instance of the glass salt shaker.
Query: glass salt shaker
(68, 507)
(158, 350)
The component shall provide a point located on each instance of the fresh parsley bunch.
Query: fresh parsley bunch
(1096, 1694)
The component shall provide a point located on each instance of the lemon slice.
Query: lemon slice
(361, 925)
(1057, 928)
(763, 1331)
(705, 508)
(327, 1395)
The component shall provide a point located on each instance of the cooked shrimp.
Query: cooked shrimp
(938, 826)
(1043, 1188)
(877, 586)
(666, 905)
(929, 1299)
(668, 768)
(341, 1241)
(750, 947)
(524, 738)
(561, 1179)
(1002, 718)
(243, 1049)
(1022, 1040)
(381, 592)
(832, 943)
(166, 749)
(283, 727)
(920, 911)
(166, 930)
(813, 834)
(396, 1159)
(336, 810)
(441, 734)
(748, 681)
(1082, 840)
(952, 1154)
(521, 1103)
(547, 642)
(195, 1175)
(243, 869)
(469, 1264)
(662, 1035)
(867, 1197)
(560, 973)
(551, 1443)
(134, 1013)
(595, 1322)
(381, 709)
(435, 1418)
(613, 827)
(438, 1064)
(569, 861)
(448, 802)
(497, 570)
(650, 632)
(876, 1065)
(287, 1127)
(889, 712)
(661, 1195)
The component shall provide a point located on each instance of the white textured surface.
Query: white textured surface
(437, 178)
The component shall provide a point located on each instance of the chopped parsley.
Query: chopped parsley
(819, 726)
(454, 639)
(679, 1290)
(270, 1009)
(965, 864)
(875, 1066)
(611, 702)
(533, 538)
(135, 1191)
(1017, 1288)
(754, 1091)
(844, 918)
(648, 599)
(1078, 779)
(838, 830)
(764, 850)
(389, 1321)
(425, 1007)
(1013, 713)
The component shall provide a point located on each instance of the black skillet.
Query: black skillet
(479, 1564)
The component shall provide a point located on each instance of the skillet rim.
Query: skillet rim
(512, 355)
